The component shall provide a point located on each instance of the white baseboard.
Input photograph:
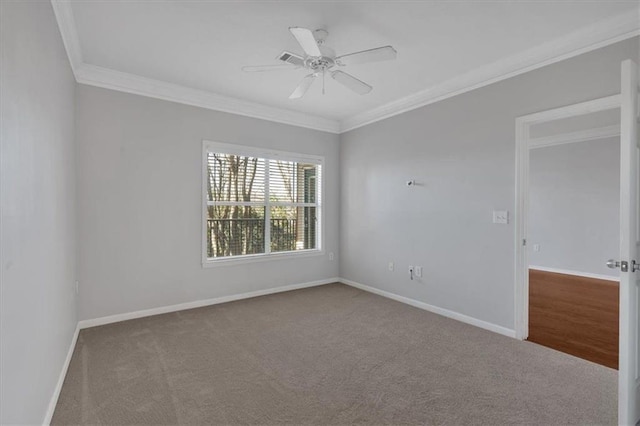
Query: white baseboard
(198, 304)
(576, 273)
(63, 373)
(436, 310)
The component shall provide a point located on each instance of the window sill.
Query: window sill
(256, 258)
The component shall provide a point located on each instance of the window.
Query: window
(259, 203)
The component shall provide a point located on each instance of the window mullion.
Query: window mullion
(285, 204)
(267, 209)
(236, 203)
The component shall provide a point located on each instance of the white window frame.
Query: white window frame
(269, 154)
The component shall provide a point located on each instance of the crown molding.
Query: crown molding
(584, 40)
(601, 34)
(111, 79)
(123, 82)
(67, 25)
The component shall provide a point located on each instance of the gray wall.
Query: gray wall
(574, 214)
(38, 313)
(461, 151)
(138, 199)
(139, 193)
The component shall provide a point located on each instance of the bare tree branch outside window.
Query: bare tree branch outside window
(238, 198)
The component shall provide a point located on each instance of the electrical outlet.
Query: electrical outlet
(330, 255)
(391, 266)
(536, 247)
(419, 271)
(501, 217)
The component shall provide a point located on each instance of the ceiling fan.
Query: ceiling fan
(320, 60)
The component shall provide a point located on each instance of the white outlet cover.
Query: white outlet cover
(501, 217)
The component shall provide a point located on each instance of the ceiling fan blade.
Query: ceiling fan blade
(350, 82)
(303, 87)
(262, 68)
(306, 40)
(384, 53)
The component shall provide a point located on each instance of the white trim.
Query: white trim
(523, 147)
(198, 303)
(129, 83)
(575, 273)
(272, 154)
(259, 203)
(268, 155)
(63, 373)
(568, 111)
(431, 308)
(601, 34)
(261, 257)
(204, 211)
(573, 137)
(584, 40)
(68, 30)
(521, 290)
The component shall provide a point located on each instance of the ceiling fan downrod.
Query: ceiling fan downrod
(323, 73)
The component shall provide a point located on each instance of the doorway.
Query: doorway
(573, 224)
(588, 121)
(628, 258)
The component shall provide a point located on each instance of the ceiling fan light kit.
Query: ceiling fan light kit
(321, 59)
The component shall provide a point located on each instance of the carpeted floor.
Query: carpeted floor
(324, 355)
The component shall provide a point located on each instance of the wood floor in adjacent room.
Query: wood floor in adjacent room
(325, 355)
(576, 315)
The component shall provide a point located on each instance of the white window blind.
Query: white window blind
(259, 202)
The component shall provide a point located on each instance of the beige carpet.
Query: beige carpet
(325, 355)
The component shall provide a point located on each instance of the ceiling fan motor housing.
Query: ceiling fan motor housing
(321, 63)
(319, 59)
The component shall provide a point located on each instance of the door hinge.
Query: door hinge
(635, 266)
(524, 241)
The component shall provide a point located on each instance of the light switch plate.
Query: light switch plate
(501, 217)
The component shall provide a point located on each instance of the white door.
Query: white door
(628, 390)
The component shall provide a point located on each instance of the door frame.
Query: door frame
(524, 144)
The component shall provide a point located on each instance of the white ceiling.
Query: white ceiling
(203, 44)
